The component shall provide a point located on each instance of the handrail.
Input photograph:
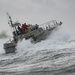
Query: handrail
(49, 24)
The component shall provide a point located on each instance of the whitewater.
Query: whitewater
(53, 56)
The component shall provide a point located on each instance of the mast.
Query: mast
(10, 22)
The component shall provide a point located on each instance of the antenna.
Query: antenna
(10, 22)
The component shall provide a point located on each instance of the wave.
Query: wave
(53, 56)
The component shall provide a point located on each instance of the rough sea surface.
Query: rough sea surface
(53, 56)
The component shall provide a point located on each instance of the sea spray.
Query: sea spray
(53, 56)
(58, 39)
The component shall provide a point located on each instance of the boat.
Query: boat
(35, 32)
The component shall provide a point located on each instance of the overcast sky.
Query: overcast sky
(38, 11)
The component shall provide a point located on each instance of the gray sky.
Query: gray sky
(38, 11)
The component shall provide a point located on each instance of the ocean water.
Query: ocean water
(53, 56)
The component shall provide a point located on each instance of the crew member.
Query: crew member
(24, 27)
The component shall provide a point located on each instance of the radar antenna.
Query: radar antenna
(10, 22)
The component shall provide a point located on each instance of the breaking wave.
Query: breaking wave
(58, 39)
